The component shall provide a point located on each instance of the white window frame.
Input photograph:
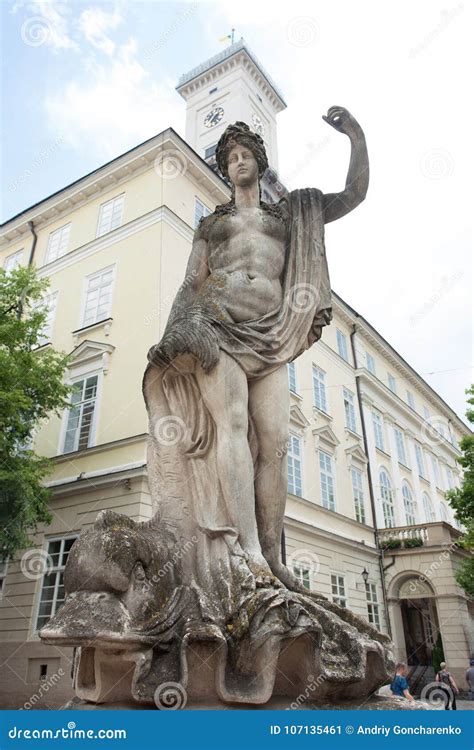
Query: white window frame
(420, 462)
(428, 509)
(85, 291)
(63, 233)
(443, 512)
(400, 444)
(303, 574)
(377, 425)
(327, 480)
(83, 375)
(292, 377)
(293, 457)
(392, 382)
(102, 207)
(370, 361)
(50, 302)
(373, 612)
(349, 409)
(56, 569)
(436, 470)
(319, 389)
(338, 589)
(13, 261)
(357, 480)
(386, 498)
(342, 349)
(200, 210)
(409, 504)
(411, 400)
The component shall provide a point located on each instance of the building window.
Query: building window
(58, 243)
(110, 215)
(292, 383)
(409, 505)
(349, 410)
(428, 509)
(13, 261)
(443, 512)
(294, 466)
(319, 389)
(370, 363)
(49, 304)
(52, 588)
(98, 297)
(80, 416)
(342, 345)
(302, 573)
(3, 576)
(400, 443)
(426, 412)
(338, 590)
(392, 383)
(200, 210)
(378, 430)
(449, 478)
(410, 399)
(210, 151)
(386, 495)
(372, 604)
(435, 466)
(419, 460)
(358, 495)
(327, 481)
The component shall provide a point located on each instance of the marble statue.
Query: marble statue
(202, 582)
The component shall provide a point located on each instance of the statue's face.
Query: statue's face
(242, 166)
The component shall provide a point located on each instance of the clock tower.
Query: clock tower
(228, 87)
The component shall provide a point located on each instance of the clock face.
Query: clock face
(258, 125)
(213, 117)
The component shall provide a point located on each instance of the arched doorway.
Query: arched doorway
(420, 620)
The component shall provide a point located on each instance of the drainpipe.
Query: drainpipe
(371, 487)
(31, 227)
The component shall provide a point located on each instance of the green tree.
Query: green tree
(462, 501)
(31, 388)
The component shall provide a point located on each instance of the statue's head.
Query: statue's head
(241, 154)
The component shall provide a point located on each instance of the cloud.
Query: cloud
(95, 22)
(47, 23)
(114, 106)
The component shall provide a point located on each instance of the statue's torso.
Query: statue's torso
(249, 248)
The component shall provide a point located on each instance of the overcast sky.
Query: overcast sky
(85, 81)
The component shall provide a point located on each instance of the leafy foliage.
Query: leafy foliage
(31, 388)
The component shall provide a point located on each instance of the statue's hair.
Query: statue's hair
(240, 133)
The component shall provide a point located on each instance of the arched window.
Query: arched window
(444, 512)
(386, 495)
(430, 515)
(408, 504)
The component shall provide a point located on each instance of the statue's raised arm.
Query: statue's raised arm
(357, 181)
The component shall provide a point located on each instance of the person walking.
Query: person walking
(399, 686)
(470, 679)
(448, 686)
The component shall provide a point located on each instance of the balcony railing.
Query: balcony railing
(419, 535)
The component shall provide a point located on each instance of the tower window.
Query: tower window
(210, 151)
(259, 97)
(213, 91)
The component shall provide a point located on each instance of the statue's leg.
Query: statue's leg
(269, 405)
(225, 393)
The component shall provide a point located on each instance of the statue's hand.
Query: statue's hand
(341, 119)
